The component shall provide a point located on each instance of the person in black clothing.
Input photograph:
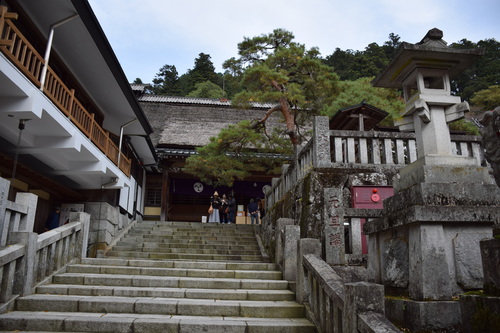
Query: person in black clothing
(253, 210)
(223, 210)
(231, 203)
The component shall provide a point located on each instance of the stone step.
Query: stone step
(148, 323)
(187, 272)
(160, 306)
(220, 294)
(209, 228)
(194, 225)
(221, 237)
(159, 239)
(182, 256)
(167, 281)
(182, 245)
(181, 264)
(139, 248)
(196, 232)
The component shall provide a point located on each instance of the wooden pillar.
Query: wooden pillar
(165, 195)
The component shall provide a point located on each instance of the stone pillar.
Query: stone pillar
(30, 200)
(490, 255)
(4, 195)
(428, 266)
(292, 236)
(321, 154)
(360, 297)
(333, 217)
(24, 276)
(278, 253)
(83, 237)
(305, 246)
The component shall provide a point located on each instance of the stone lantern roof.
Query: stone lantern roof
(431, 52)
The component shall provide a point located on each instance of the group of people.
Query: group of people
(223, 209)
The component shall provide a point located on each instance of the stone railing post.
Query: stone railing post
(30, 200)
(279, 250)
(305, 246)
(83, 236)
(4, 194)
(24, 276)
(321, 147)
(291, 237)
(361, 297)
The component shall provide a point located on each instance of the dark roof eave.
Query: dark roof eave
(407, 53)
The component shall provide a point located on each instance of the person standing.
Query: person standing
(231, 204)
(253, 210)
(223, 210)
(215, 204)
(53, 219)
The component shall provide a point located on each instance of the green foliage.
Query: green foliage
(464, 126)
(207, 89)
(203, 70)
(232, 155)
(275, 69)
(138, 81)
(484, 73)
(487, 99)
(166, 81)
(352, 65)
(354, 92)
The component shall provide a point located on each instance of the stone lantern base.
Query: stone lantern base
(425, 249)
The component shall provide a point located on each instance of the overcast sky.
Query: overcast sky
(148, 34)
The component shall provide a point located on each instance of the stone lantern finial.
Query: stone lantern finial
(434, 37)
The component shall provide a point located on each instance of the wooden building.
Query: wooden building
(180, 125)
(71, 129)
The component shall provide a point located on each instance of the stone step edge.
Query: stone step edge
(179, 279)
(131, 318)
(174, 263)
(153, 291)
(144, 270)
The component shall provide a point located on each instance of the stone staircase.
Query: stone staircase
(166, 277)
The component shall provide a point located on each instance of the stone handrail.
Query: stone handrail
(347, 149)
(27, 258)
(19, 50)
(343, 307)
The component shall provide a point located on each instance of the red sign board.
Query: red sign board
(369, 197)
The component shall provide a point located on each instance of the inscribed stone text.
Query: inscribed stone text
(335, 239)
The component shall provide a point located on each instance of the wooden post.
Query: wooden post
(3, 17)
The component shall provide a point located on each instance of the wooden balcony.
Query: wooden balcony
(25, 57)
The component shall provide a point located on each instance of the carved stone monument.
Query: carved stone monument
(425, 248)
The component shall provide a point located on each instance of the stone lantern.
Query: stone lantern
(423, 71)
(425, 246)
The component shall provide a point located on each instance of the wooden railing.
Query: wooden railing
(18, 50)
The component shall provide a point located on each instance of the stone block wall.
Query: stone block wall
(106, 224)
(305, 203)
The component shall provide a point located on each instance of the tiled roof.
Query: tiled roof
(165, 152)
(196, 100)
(138, 87)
